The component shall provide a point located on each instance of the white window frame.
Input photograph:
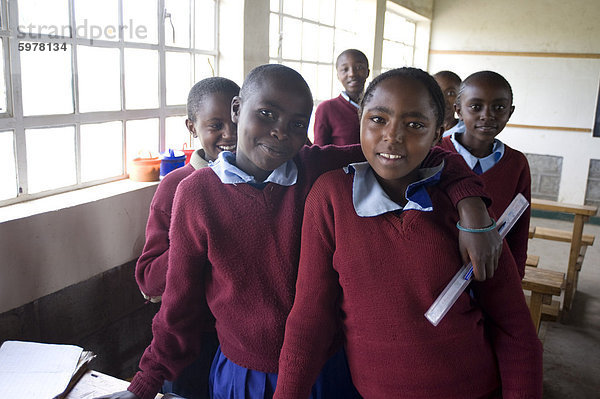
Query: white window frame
(13, 118)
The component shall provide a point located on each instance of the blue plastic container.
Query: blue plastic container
(171, 160)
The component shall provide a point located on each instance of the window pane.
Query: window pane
(177, 134)
(274, 36)
(141, 78)
(291, 38)
(292, 7)
(325, 44)
(97, 19)
(177, 23)
(309, 73)
(310, 38)
(50, 158)
(50, 70)
(99, 79)
(311, 10)
(179, 77)
(275, 5)
(205, 25)
(327, 11)
(3, 102)
(142, 138)
(49, 17)
(203, 68)
(8, 173)
(101, 150)
(140, 21)
(324, 82)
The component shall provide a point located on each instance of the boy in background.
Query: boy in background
(450, 82)
(336, 120)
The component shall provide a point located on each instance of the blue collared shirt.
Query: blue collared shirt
(224, 167)
(486, 163)
(370, 199)
(347, 98)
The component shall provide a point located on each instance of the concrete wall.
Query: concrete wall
(549, 52)
(46, 252)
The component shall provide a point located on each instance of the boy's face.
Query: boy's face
(352, 72)
(397, 130)
(485, 108)
(272, 124)
(450, 89)
(214, 126)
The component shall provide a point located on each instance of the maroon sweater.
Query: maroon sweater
(376, 277)
(336, 122)
(502, 182)
(238, 247)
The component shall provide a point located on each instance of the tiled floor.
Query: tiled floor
(572, 346)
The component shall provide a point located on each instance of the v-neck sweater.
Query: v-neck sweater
(375, 277)
(509, 177)
(238, 247)
(336, 122)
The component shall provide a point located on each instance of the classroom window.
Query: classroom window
(89, 85)
(308, 35)
(399, 37)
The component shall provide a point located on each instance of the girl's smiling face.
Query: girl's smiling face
(397, 130)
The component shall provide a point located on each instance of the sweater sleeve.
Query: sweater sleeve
(518, 237)
(513, 336)
(322, 127)
(459, 181)
(151, 267)
(182, 316)
(313, 322)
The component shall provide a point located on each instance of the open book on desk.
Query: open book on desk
(38, 370)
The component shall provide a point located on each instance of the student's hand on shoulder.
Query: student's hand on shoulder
(119, 395)
(482, 250)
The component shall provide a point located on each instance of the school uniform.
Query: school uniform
(374, 267)
(236, 243)
(151, 274)
(505, 173)
(336, 122)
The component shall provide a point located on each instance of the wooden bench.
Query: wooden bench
(578, 240)
(532, 260)
(543, 284)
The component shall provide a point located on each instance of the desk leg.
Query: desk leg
(573, 255)
(535, 309)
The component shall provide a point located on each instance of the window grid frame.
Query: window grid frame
(384, 39)
(14, 119)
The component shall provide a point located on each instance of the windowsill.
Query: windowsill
(70, 199)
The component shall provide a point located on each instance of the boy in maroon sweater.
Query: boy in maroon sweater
(485, 104)
(209, 119)
(235, 240)
(336, 120)
(378, 246)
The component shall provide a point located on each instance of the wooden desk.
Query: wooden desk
(543, 284)
(581, 214)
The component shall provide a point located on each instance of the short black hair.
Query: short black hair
(271, 71)
(353, 51)
(448, 75)
(487, 75)
(437, 97)
(206, 87)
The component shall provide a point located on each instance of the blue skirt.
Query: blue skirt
(229, 381)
